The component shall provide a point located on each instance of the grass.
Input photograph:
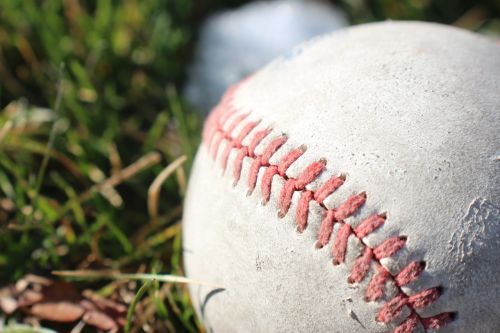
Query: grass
(96, 142)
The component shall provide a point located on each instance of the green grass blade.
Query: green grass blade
(137, 298)
(50, 144)
(113, 275)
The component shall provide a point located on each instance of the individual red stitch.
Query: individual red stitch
(376, 287)
(216, 144)
(309, 174)
(340, 245)
(288, 159)
(223, 118)
(257, 138)
(392, 309)
(221, 113)
(438, 321)
(238, 163)
(225, 155)
(208, 129)
(266, 182)
(272, 148)
(328, 188)
(244, 132)
(326, 228)
(361, 266)
(211, 124)
(424, 298)
(409, 325)
(232, 125)
(285, 199)
(350, 206)
(211, 139)
(254, 173)
(389, 247)
(409, 274)
(368, 225)
(303, 210)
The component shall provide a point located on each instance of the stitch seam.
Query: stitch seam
(219, 128)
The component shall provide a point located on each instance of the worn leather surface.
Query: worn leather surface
(410, 112)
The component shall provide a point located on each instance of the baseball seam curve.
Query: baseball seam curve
(219, 127)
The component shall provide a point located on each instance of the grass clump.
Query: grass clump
(80, 146)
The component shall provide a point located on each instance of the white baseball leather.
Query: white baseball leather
(409, 114)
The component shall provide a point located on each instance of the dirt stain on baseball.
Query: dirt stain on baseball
(476, 228)
(472, 244)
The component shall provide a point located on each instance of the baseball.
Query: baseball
(353, 185)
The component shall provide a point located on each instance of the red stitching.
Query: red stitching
(350, 206)
(266, 182)
(389, 247)
(225, 155)
(219, 126)
(340, 245)
(288, 159)
(437, 321)
(298, 184)
(303, 210)
(392, 309)
(409, 325)
(368, 225)
(245, 131)
(328, 188)
(235, 122)
(257, 138)
(376, 286)
(361, 266)
(263, 160)
(238, 163)
(409, 274)
(215, 146)
(424, 298)
(326, 228)
(432, 323)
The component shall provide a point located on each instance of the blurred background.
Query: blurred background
(102, 103)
